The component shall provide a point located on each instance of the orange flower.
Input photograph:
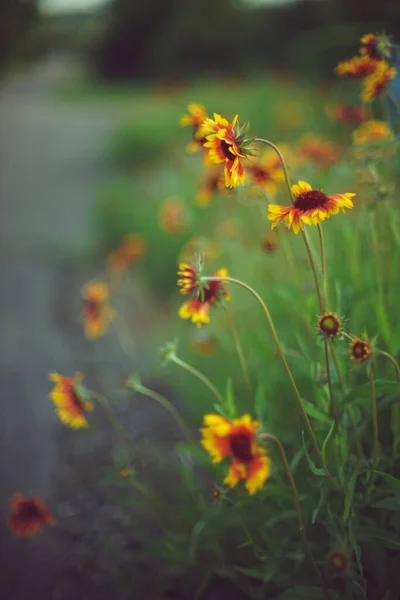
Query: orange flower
(376, 47)
(266, 172)
(358, 66)
(28, 515)
(227, 145)
(378, 81)
(213, 184)
(343, 113)
(172, 216)
(318, 151)
(311, 207)
(96, 313)
(132, 247)
(189, 282)
(372, 131)
(195, 119)
(198, 308)
(71, 400)
(237, 439)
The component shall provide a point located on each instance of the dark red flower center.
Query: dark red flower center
(225, 150)
(28, 511)
(329, 324)
(339, 561)
(92, 309)
(311, 199)
(259, 174)
(360, 350)
(240, 444)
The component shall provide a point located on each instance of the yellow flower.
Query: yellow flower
(266, 172)
(195, 119)
(378, 81)
(96, 313)
(198, 308)
(311, 207)
(227, 145)
(213, 184)
(356, 67)
(237, 439)
(372, 131)
(71, 400)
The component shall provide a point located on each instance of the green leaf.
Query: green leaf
(315, 412)
(355, 547)
(311, 464)
(323, 493)
(264, 573)
(350, 489)
(230, 399)
(194, 538)
(382, 386)
(390, 503)
(392, 482)
(328, 437)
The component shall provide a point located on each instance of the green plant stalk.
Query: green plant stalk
(323, 268)
(283, 163)
(349, 408)
(271, 438)
(239, 348)
(391, 358)
(170, 408)
(257, 550)
(314, 271)
(199, 375)
(333, 410)
(284, 361)
(381, 302)
(375, 429)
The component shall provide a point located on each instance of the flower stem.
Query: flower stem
(197, 373)
(374, 409)
(283, 163)
(333, 410)
(390, 357)
(314, 270)
(170, 408)
(239, 348)
(257, 550)
(323, 267)
(284, 361)
(271, 438)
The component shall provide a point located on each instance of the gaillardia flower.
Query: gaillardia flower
(237, 439)
(372, 131)
(96, 312)
(195, 119)
(376, 47)
(340, 561)
(378, 81)
(213, 184)
(205, 295)
(360, 350)
(71, 400)
(344, 113)
(172, 216)
(227, 144)
(266, 172)
(28, 515)
(131, 249)
(356, 67)
(311, 207)
(316, 150)
(329, 325)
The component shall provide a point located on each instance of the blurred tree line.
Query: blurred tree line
(175, 39)
(17, 21)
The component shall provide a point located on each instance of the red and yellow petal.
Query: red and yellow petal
(195, 310)
(258, 471)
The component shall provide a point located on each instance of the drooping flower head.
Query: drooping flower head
(311, 207)
(237, 439)
(329, 325)
(195, 119)
(376, 47)
(344, 113)
(378, 81)
(28, 515)
(131, 249)
(213, 184)
(205, 294)
(356, 67)
(360, 350)
(172, 216)
(96, 313)
(72, 400)
(318, 151)
(372, 131)
(227, 144)
(266, 172)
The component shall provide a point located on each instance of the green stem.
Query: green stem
(271, 438)
(170, 408)
(381, 302)
(333, 411)
(323, 267)
(375, 430)
(239, 348)
(390, 357)
(257, 550)
(198, 374)
(349, 408)
(314, 270)
(284, 361)
(283, 163)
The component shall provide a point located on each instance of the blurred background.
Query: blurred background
(91, 93)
